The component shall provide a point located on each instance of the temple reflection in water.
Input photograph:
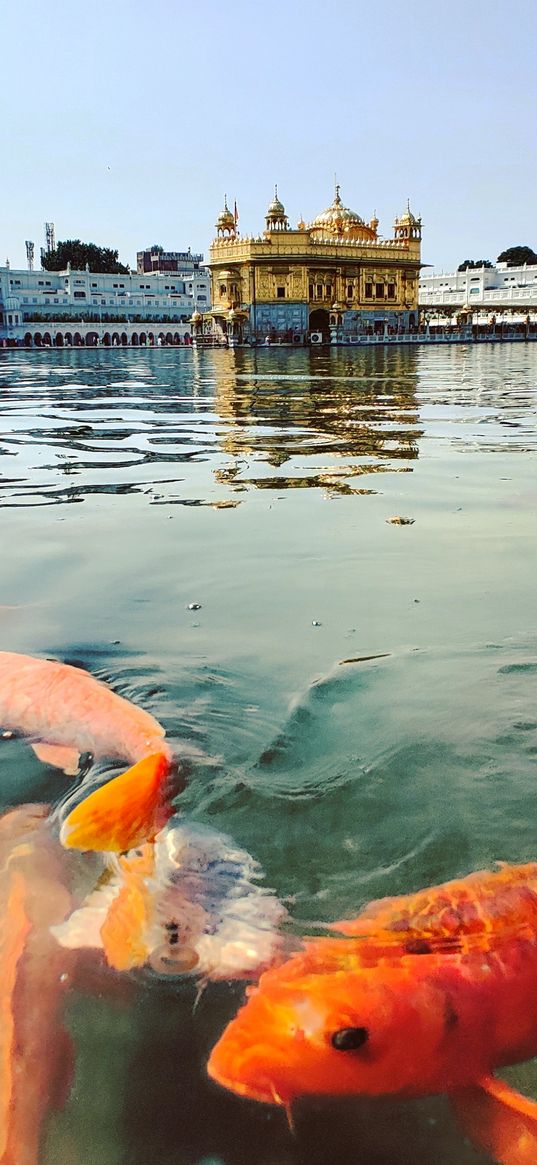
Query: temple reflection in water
(334, 420)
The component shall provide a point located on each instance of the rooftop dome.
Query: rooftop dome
(226, 218)
(340, 222)
(408, 217)
(276, 218)
(276, 207)
(408, 226)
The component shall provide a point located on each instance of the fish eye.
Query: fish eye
(349, 1039)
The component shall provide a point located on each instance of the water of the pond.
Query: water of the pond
(259, 485)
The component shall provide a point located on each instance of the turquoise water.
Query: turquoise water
(259, 485)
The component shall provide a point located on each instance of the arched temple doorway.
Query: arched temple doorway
(319, 322)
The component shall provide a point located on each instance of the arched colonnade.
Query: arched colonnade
(74, 338)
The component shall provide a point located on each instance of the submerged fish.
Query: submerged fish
(35, 1054)
(66, 713)
(422, 994)
(190, 902)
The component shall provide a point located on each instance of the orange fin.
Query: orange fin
(498, 1119)
(124, 813)
(125, 927)
(60, 756)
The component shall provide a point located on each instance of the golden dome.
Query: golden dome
(408, 226)
(340, 222)
(276, 218)
(276, 208)
(196, 317)
(226, 218)
(408, 219)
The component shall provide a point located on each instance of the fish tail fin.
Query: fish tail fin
(498, 1119)
(127, 811)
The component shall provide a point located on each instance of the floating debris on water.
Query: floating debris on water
(399, 521)
(365, 658)
(193, 607)
(316, 623)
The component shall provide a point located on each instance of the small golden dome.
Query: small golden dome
(196, 317)
(226, 218)
(276, 208)
(409, 219)
(276, 217)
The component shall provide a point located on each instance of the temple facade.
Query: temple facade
(333, 280)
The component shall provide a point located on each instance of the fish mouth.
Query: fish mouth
(268, 1095)
(263, 1090)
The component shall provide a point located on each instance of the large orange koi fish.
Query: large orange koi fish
(35, 1056)
(420, 994)
(65, 713)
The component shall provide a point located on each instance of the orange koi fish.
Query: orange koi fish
(190, 902)
(35, 1054)
(66, 713)
(421, 994)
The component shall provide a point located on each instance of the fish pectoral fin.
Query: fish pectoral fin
(125, 927)
(498, 1119)
(60, 756)
(123, 813)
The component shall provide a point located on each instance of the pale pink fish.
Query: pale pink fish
(65, 712)
(35, 1054)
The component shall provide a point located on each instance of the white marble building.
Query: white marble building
(57, 308)
(509, 292)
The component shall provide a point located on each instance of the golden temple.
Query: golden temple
(332, 280)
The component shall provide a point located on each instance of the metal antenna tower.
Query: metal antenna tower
(50, 237)
(30, 254)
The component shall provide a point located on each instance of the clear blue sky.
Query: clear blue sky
(126, 122)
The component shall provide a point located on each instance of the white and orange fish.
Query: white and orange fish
(191, 902)
(65, 713)
(35, 1053)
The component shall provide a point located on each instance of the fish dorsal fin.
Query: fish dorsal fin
(498, 1119)
(481, 910)
(123, 813)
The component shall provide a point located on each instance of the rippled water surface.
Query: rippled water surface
(259, 486)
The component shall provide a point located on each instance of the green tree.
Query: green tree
(80, 255)
(516, 256)
(469, 264)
